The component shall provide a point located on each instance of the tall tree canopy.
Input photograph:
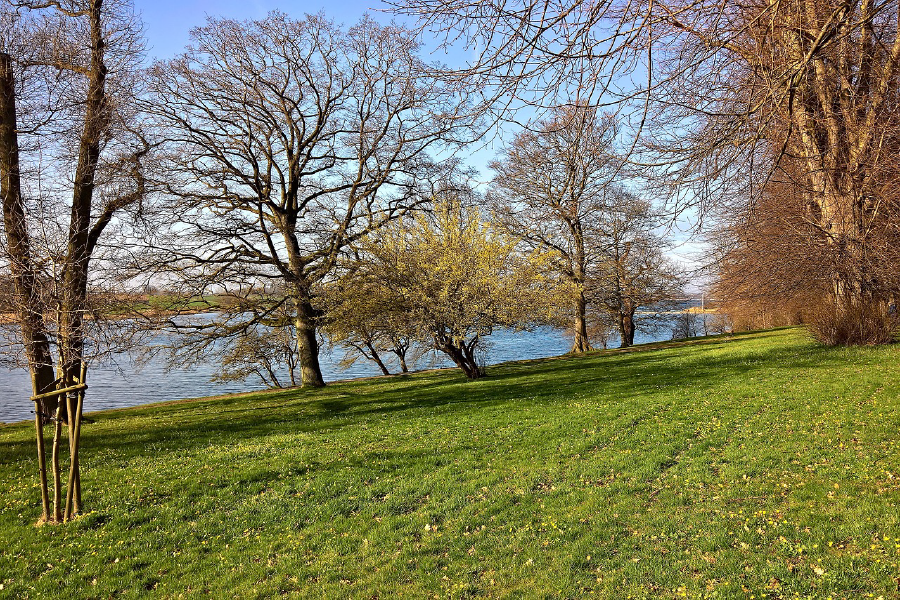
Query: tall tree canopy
(288, 140)
(550, 188)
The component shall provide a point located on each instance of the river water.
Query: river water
(124, 384)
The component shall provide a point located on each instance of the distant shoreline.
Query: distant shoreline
(8, 318)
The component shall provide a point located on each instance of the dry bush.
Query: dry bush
(861, 323)
(747, 315)
(776, 267)
(718, 323)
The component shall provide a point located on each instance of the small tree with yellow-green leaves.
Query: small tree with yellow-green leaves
(450, 278)
(367, 322)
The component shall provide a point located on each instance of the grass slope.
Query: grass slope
(761, 466)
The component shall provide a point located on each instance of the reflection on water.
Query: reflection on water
(117, 386)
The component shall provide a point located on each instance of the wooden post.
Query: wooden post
(73, 493)
(42, 462)
(57, 483)
(73, 489)
(77, 468)
(71, 388)
(79, 412)
(70, 431)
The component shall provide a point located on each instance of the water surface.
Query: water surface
(124, 384)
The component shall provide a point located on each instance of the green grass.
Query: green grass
(760, 466)
(164, 303)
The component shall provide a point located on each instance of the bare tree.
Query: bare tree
(290, 139)
(550, 189)
(812, 100)
(602, 326)
(633, 271)
(266, 347)
(540, 54)
(808, 136)
(728, 92)
(66, 89)
(775, 268)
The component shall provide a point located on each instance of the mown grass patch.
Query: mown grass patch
(756, 466)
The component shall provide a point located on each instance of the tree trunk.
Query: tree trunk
(400, 348)
(73, 270)
(839, 222)
(78, 255)
(579, 327)
(308, 345)
(464, 358)
(460, 360)
(373, 354)
(628, 329)
(18, 245)
(29, 308)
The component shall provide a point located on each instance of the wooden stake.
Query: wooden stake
(79, 386)
(70, 432)
(70, 484)
(73, 489)
(80, 413)
(42, 462)
(57, 483)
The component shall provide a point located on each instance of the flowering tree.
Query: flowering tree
(450, 278)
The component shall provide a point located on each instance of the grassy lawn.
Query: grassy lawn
(164, 303)
(759, 466)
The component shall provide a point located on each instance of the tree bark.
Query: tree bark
(72, 268)
(29, 308)
(627, 329)
(626, 324)
(308, 345)
(78, 255)
(464, 358)
(373, 353)
(581, 342)
(18, 244)
(400, 348)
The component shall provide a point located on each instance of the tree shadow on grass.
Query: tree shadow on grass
(603, 376)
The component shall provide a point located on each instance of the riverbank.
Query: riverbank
(149, 314)
(122, 380)
(122, 383)
(759, 464)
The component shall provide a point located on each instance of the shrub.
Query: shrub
(854, 324)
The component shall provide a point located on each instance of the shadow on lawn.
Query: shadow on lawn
(598, 376)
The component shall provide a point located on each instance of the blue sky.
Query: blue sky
(168, 22)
